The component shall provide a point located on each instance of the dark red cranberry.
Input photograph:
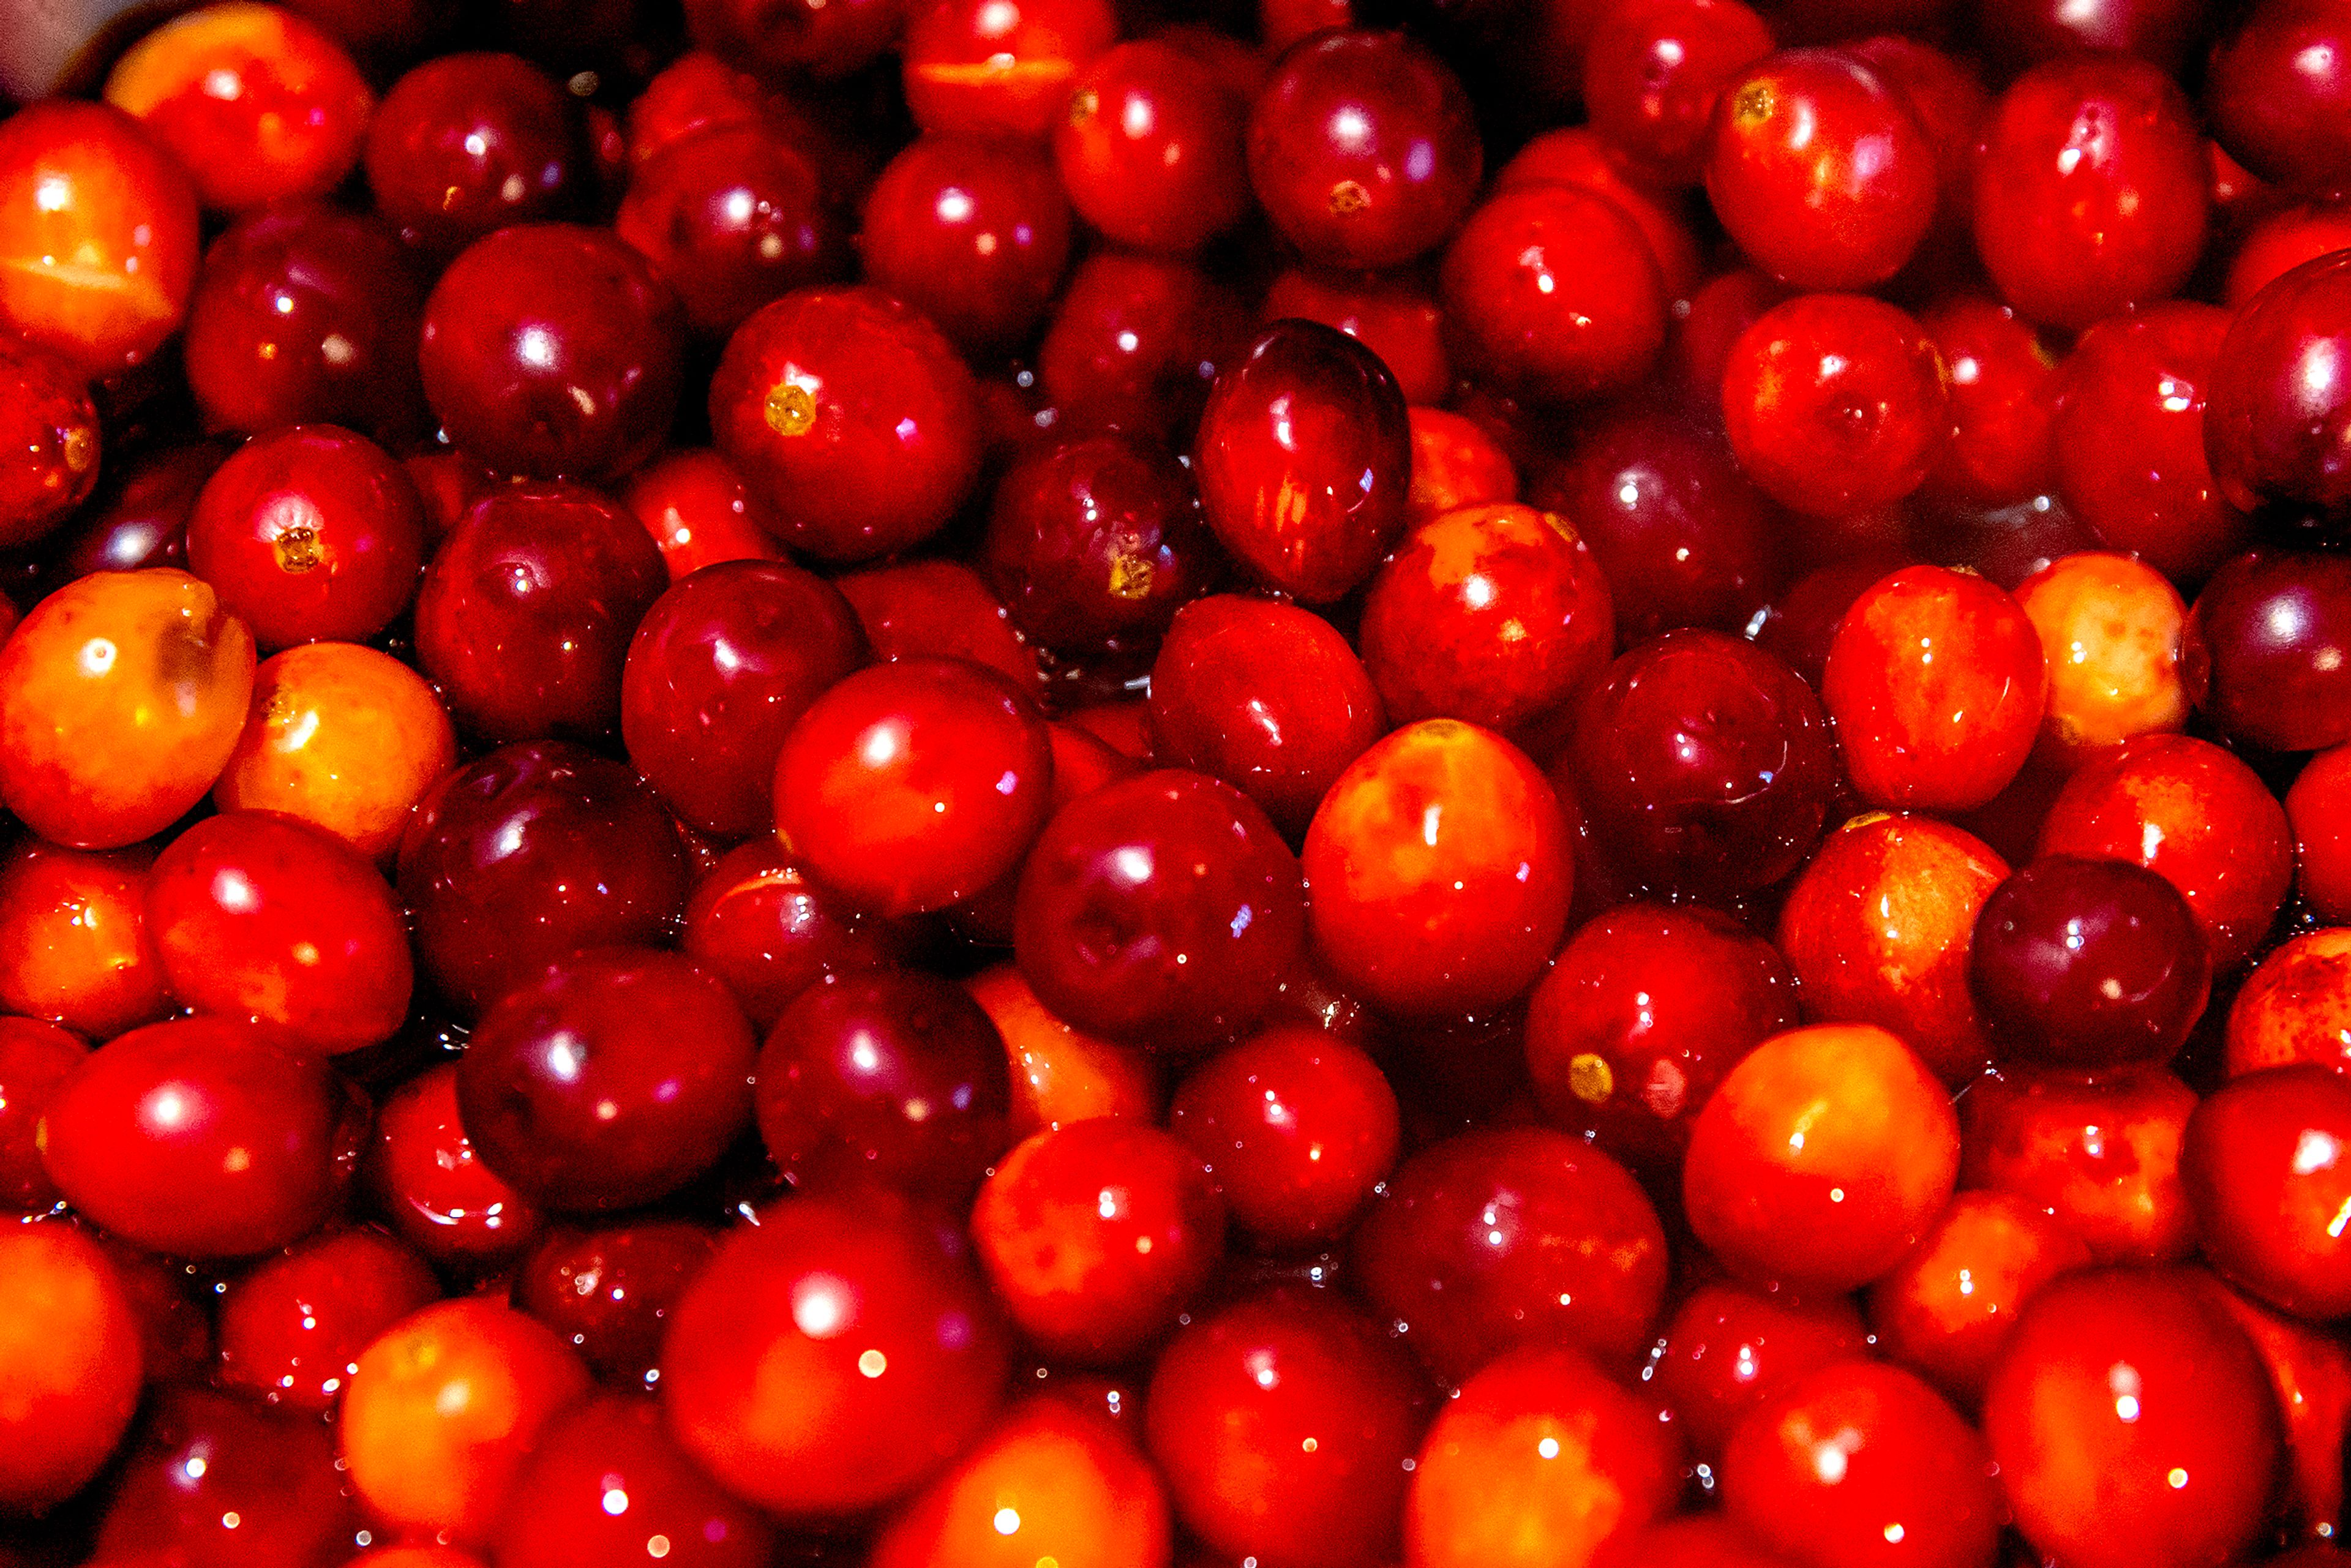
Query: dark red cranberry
(2277, 89)
(607, 1486)
(939, 610)
(468, 143)
(1162, 909)
(1393, 317)
(893, 1075)
(526, 613)
(51, 439)
(2090, 189)
(1304, 459)
(1096, 544)
(998, 69)
(1719, 312)
(610, 1291)
(1799, 623)
(973, 235)
(421, 1175)
(851, 416)
(2266, 655)
(34, 1058)
(758, 923)
(731, 217)
(717, 672)
(138, 516)
(827, 39)
(291, 1329)
(2277, 411)
(2003, 402)
(211, 1482)
(2263, 1163)
(202, 1137)
(1653, 71)
(1704, 764)
(1150, 147)
(532, 852)
(2025, 32)
(1136, 343)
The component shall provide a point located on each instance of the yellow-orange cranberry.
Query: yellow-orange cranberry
(2100, 1155)
(1455, 463)
(444, 1408)
(1060, 1073)
(1948, 1308)
(2296, 1007)
(342, 737)
(73, 939)
(257, 103)
(71, 1364)
(2109, 627)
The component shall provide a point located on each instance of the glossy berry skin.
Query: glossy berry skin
(975, 235)
(1150, 147)
(309, 533)
(1947, 1312)
(2110, 628)
(526, 613)
(2100, 1154)
(2003, 402)
(2088, 964)
(1095, 1236)
(423, 1177)
(261, 916)
(2295, 1008)
(605, 1485)
(758, 923)
(1729, 1348)
(1553, 292)
(202, 1137)
(2133, 1424)
(34, 1058)
(891, 1076)
(1936, 686)
(1652, 74)
(1264, 695)
(831, 1357)
(211, 1481)
(719, 669)
(1463, 923)
(2090, 190)
(1703, 763)
(70, 1363)
(1857, 1459)
(577, 372)
(1493, 615)
(915, 784)
(1820, 169)
(1834, 403)
(1823, 1158)
(1645, 1010)
(998, 72)
(1162, 909)
(74, 947)
(2280, 242)
(1304, 460)
(2267, 653)
(2319, 807)
(1395, 317)
(292, 1328)
(939, 609)
(1580, 1259)
(51, 439)
(2275, 90)
(2273, 418)
(2262, 1164)
(731, 217)
(699, 512)
(1136, 344)
(469, 144)
(120, 698)
(533, 852)
(1297, 1128)
(1539, 1462)
(827, 42)
(1061, 1074)
(1364, 150)
(2194, 815)
(1577, 156)
(1280, 1426)
(851, 417)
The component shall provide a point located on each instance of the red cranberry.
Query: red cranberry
(827, 39)
(50, 438)
(717, 672)
(2090, 191)
(1651, 73)
(2267, 653)
(609, 1293)
(2024, 32)
(1575, 155)
(939, 610)
(2099, 1155)
(2319, 805)
(292, 1329)
(973, 235)
(212, 1482)
(849, 414)
(202, 1137)
(1304, 460)
(1151, 147)
(1136, 344)
(34, 1058)
(468, 143)
(998, 68)
(1948, 101)
(70, 1365)
(1395, 317)
(533, 852)
(2003, 403)
(1162, 909)
(606, 1484)
(1947, 1312)
(759, 923)
(2276, 91)
(699, 512)
(2282, 242)
(731, 217)
(1729, 1348)
(425, 1179)
(2275, 416)
(2263, 1166)
(1553, 293)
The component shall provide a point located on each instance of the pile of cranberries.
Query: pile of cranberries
(1094, 784)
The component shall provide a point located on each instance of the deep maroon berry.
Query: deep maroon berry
(2277, 89)
(468, 143)
(732, 217)
(2278, 410)
(973, 235)
(1136, 343)
(2266, 653)
(609, 1291)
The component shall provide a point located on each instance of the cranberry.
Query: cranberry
(473, 142)
(2282, 242)
(1949, 101)
(1061, 1074)
(605, 1485)
(425, 1178)
(851, 416)
(699, 512)
(34, 1058)
(2090, 191)
(2275, 90)
(74, 945)
(2295, 1008)
(1652, 74)
(1719, 311)
(2110, 630)
(204, 1137)
(827, 40)
(2099, 1155)
(2003, 403)
(2262, 1165)
(1948, 1311)
(939, 610)
(70, 1365)
(1553, 292)
(2275, 415)
(2312, 1377)
(138, 516)
(213, 1483)
(1394, 316)
(1281, 1425)
(759, 923)
(975, 235)
(1577, 156)
(1455, 463)
(2267, 654)
(2319, 807)
(1304, 460)
(731, 217)
(610, 1291)
(1137, 342)
(292, 1329)
(998, 68)
(1151, 149)
(1729, 1348)
(51, 440)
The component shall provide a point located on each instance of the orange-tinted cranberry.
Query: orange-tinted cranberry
(1281, 1425)
(2110, 628)
(1393, 317)
(2101, 1155)
(1539, 1462)
(1456, 463)
(258, 916)
(832, 1357)
(1049, 1482)
(526, 613)
(1652, 74)
(34, 1058)
(472, 142)
(1059, 1074)
(1823, 1158)
(827, 40)
(1834, 403)
(609, 1293)
(2090, 190)
(1820, 169)
(1150, 146)
(700, 513)
(975, 235)
(2267, 651)
(445, 1409)
(1729, 1348)
(1441, 869)
(2319, 809)
(424, 1177)
(2132, 1424)
(74, 945)
(1501, 1238)
(203, 1137)
(97, 230)
(291, 1330)
(998, 68)
(1553, 292)
(1096, 1235)
(2295, 1007)
(939, 610)
(70, 1365)
(211, 1482)
(606, 1484)
(2263, 1164)
(257, 104)
(1703, 764)
(2275, 92)
(533, 852)
(1645, 1010)
(2195, 816)
(851, 415)
(1948, 1310)
(759, 923)
(731, 217)
(2003, 404)
(49, 435)
(120, 697)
